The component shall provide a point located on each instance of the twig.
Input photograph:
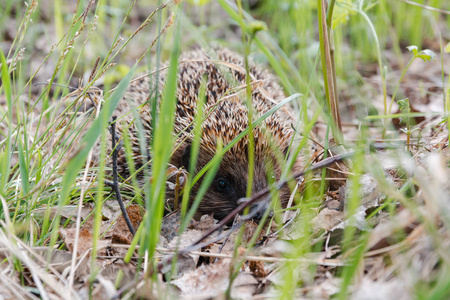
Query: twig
(236, 225)
(115, 177)
(263, 193)
(56, 84)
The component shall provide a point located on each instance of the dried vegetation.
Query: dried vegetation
(375, 225)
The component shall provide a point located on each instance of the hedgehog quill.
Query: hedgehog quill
(225, 99)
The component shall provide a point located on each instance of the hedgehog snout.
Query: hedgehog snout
(258, 210)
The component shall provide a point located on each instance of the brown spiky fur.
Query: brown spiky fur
(225, 97)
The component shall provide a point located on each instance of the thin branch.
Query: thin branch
(265, 192)
(115, 177)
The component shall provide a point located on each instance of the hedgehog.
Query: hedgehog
(225, 77)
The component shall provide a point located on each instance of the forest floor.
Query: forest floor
(379, 230)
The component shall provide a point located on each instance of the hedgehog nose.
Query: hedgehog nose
(257, 210)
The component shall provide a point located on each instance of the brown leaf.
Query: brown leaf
(257, 268)
(121, 233)
(85, 241)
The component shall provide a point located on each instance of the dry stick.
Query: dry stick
(56, 84)
(265, 192)
(115, 177)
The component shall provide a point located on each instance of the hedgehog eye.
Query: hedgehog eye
(222, 184)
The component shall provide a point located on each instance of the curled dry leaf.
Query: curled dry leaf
(244, 286)
(369, 193)
(226, 245)
(68, 211)
(105, 289)
(184, 264)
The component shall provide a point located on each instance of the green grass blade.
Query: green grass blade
(195, 145)
(209, 177)
(244, 133)
(23, 169)
(88, 141)
(7, 88)
(162, 147)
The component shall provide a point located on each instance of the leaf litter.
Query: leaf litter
(403, 249)
(390, 265)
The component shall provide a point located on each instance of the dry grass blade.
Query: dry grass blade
(375, 226)
(39, 275)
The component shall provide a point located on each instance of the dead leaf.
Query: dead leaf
(207, 281)
(184, 264)
(85, 241)
(257, 269)
(170, 226)
(394, 289)
(110, 269)
(105, 289)
(120, 232)
(327, 219)
(244, 286)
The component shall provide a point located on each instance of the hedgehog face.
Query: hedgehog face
(228, 186)
(228, 119)
(233, 173)
(231, 180)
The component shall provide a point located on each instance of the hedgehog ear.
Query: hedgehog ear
(186, 157)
